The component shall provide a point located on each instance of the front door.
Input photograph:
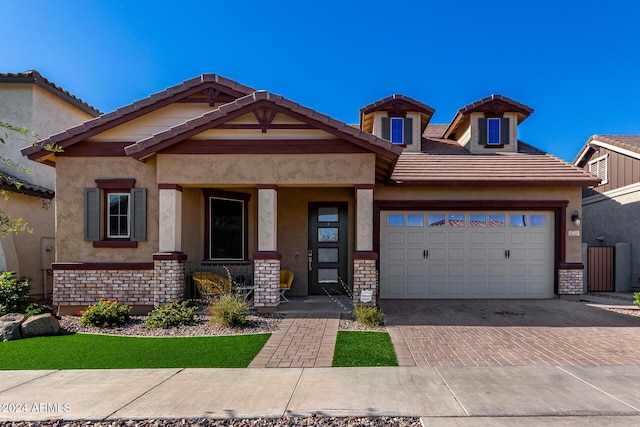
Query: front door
(327, 254)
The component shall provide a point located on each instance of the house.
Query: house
(611, 209)
(29, 100)
(212, 171)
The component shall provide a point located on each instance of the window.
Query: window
(226, 225)
(493, 131)
(598, 168)
(118, 215)
(115, 213)
(397, 130)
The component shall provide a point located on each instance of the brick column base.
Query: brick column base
(168, 278)
(266, 282)
(570, 279)
(365, 277)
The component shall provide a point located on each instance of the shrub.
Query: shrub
(230, 311)
(637, 299)
(368, 316)
(106, 313)
(34, 309)
(14, 293)
(174, 314)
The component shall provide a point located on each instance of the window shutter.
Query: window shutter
(408, 131)
(138, 214)
(92, 214)
(504, 131)
(482, 129)
(386, 128)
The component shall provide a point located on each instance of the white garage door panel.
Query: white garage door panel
(477, 254)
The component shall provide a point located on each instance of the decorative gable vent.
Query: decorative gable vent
(598, 168)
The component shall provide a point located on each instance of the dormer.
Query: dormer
(489, 125)
(398, 119)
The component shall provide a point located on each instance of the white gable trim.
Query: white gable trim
(611, 147)
(611, 194)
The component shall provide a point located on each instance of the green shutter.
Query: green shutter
(408, 131)
(386, 128)
(92, 214)
(482, 130)
(138, 214)
(504, 131)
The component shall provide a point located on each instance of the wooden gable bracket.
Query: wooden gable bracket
(265, 117)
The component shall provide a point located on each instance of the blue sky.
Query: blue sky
(576, 63)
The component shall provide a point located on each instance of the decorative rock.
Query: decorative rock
(42, 324)
(10, 326)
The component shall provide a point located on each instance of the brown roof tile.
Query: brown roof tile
(434, 130)
(11, 183)
(443, 163)
(131, 111)
(624, 142)
(35, 77)
(415, 105)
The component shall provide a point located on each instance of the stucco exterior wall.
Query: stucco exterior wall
(73, 177)
(570, 194)
(614, 220)
(289, 169)
(475, 147)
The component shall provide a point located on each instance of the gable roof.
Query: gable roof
(34, 77)
(9, 182)
(628, 145)
(446, 163)
(216, 88)
(396, 103)
(492, 104)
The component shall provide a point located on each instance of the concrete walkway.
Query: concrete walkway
(444, 396)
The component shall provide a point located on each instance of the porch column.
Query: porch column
(170, 218)
(364, 258)
(267, 259)
(168, 264)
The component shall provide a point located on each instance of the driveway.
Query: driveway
(510, 333)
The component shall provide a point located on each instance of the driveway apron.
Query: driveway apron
(510, 333)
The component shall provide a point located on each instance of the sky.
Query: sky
(576, 63)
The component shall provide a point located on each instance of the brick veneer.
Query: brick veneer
(168, 281)
(570, 281)
(365, 278)
(266, 279)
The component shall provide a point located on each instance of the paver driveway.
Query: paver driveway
(510, 333)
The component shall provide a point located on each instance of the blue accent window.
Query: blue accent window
(493, 131)
(397, 130)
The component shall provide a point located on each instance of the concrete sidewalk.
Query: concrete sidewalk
(443, 395)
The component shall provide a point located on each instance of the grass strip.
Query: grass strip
(355, 348)
(87, 351)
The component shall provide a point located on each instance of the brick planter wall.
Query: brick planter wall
(266, 280)
(365, 278)
(570, 280)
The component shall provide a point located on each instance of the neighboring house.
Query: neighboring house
(611, 208)
(29, 100)
(216, 172)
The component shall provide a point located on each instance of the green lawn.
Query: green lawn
(364, 349)
(86, 351)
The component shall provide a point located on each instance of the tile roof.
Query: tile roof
(159, 141)
(11, 183)
(623, 142)
(445, 162)
(435, 130)
(35, 77)
(416, 105)
(131, 111)
(475, 106)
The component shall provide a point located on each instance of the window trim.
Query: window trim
(598, 162)
(107, 205)
(396, 120)
(228, 195)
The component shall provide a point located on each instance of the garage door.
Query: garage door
(466, 254)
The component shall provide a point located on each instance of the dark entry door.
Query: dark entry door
(327, 256)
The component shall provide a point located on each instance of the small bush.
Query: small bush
(34, 309)
(14, 293)
(637, 299)
(230, 311)
(106, 313)
(174, 314)
(368, 316)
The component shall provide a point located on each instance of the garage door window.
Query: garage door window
(496, 220)
(537, 220)
(415, 220)
(476, 220)
(455, 220)
(395, 220)
(518, 220)
(436, 220)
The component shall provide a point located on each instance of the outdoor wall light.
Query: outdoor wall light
(575, 217)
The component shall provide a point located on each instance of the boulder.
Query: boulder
(10, 326)
(42, 324)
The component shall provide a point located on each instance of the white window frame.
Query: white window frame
(119, 236)
(391, 120)
(493, 120)
(599, 168)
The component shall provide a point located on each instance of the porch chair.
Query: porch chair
(286, 279)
